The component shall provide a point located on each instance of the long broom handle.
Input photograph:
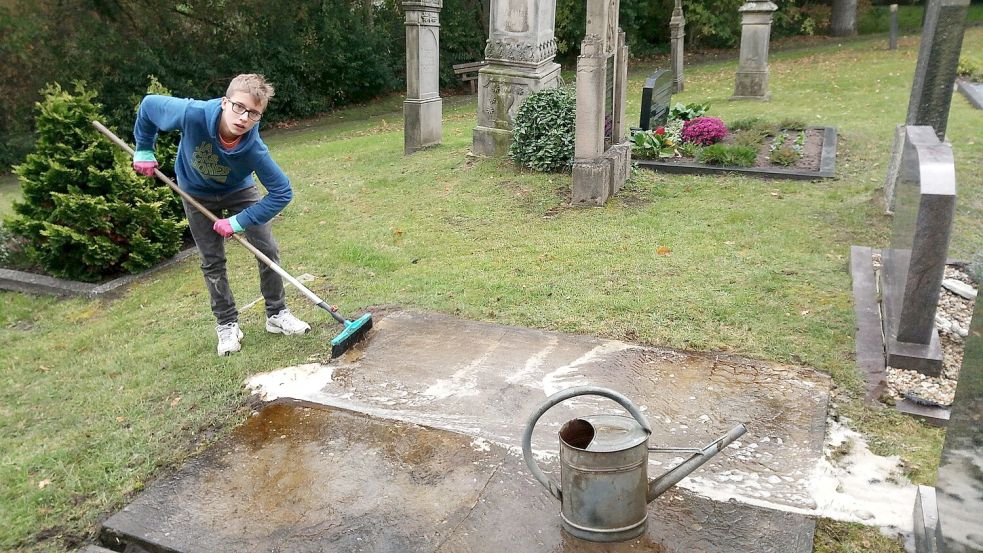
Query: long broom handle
(259, 255)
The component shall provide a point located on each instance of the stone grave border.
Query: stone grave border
(871, 359)
(33, 283)
(827, 164)
(973, 92)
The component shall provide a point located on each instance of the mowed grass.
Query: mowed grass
(101, 396)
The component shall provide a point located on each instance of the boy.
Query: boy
(220, 148)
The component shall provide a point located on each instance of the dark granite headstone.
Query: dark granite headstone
(914, 265)
(959, 486)
(655, 100)
(958, 490)
(609, 78)
(938, 56)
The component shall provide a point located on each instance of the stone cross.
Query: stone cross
(422, 109)
(601, 157)
(935, 74)
(949, 517)
(914, 265)
(520, 51)
(677, 30)
(752, 73)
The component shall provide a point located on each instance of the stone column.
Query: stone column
(752, 74)
(422, 109)
(677, 30)
(601, 159)
(520, 51)
(892, 42)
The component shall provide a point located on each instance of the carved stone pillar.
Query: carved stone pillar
(600, 160)
(422, 109)
(677, 30)
(520, 51)
(752, 74)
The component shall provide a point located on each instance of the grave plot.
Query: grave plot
(686, 139)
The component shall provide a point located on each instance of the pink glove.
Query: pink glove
(223, 227)
(145, 168)
(144, 162)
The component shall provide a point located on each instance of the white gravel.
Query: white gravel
(952, 319)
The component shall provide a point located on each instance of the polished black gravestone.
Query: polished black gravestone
(914, 265)
(656, 95)
(957, 524)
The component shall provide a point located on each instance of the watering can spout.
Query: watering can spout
(659, 485)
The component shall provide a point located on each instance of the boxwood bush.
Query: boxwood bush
(543, 130)
(85, 214)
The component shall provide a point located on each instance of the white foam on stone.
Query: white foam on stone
(294, 382)
(567, 376)
(858, 486)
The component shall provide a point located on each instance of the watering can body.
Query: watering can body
(604, 488)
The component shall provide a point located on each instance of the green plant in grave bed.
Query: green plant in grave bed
(969, 70)
(784, 156)
(689, 149)
(748, 137)
(779, 142)
(744, 124)
(543, 131)
(653, 143)
(976, 267)
(687, 112)
(792, 124)
(728, 154)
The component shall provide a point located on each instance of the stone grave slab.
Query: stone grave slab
(484, 380)
(972, 91)
(303, 478)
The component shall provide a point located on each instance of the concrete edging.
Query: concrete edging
(31, 283)
(827, 164)
(972, 91)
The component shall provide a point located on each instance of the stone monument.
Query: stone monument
(914, 265)
(892, 41)
(601, 157)
(519, 52)
(949, 517)
(677, 30)
(752, 72)
(935, 74)
(422, 109)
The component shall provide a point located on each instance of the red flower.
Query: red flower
(660, 131)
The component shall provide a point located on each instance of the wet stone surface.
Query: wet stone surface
(303, 478)
(412, 443)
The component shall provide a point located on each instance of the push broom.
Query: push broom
(354, 330)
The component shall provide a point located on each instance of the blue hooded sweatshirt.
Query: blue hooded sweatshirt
(205, 169)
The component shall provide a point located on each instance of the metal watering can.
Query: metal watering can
(603, 461)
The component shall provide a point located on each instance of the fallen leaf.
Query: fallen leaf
(120, 419)
(44, 369)
(662, 250)
(806, 312)
(730, 242)
(43, 484)
(175, 401)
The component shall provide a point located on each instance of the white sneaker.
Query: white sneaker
(228, 338)
(284, 322)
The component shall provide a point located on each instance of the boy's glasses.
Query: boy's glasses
(239, 109)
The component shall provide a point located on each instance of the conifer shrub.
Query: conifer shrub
(85, 215)
(543, 130)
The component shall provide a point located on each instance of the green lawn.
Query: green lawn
(101, 396)
(9, 191)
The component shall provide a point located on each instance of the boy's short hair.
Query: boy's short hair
(252, 84)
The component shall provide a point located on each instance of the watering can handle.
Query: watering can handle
(558, 397)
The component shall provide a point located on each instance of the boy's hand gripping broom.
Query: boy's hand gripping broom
(354, 330)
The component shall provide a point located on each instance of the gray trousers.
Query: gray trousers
(211, 250)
